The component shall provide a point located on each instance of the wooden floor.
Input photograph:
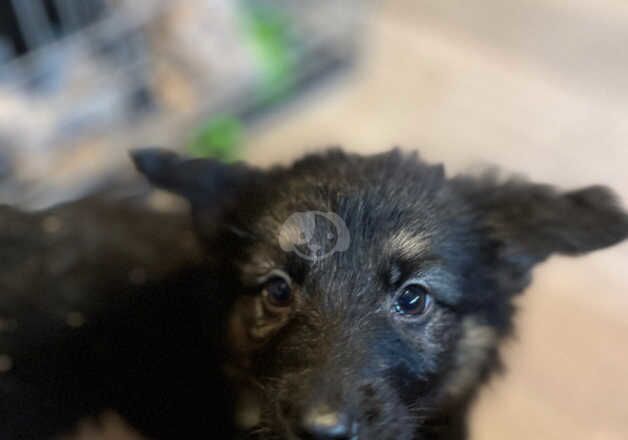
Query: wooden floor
(539, 87)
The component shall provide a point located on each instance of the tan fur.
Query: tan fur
(409, 243)
(471, 355)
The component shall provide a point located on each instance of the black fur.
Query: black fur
(340, 344)
(104, 305)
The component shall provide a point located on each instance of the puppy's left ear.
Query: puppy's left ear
(533, 221)
(205, 183)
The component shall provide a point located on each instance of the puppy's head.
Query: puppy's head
(373, 290)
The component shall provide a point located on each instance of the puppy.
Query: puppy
(373, 292)
(342, 297)
(104, 306)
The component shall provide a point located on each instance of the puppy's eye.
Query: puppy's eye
(277, 292)
(413, 300)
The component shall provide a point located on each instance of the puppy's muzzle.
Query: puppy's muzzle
(320, 422)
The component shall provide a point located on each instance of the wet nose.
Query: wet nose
(323, 423)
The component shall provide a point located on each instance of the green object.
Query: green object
(268, 34)
(220, 137)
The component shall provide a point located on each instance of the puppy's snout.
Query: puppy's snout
(320, 422)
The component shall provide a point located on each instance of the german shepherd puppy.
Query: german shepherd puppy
(342, 297)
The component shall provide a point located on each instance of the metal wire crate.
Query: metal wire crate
(84, 80)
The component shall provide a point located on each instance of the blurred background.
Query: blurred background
(538, 87)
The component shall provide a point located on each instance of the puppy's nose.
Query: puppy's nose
(322, 423)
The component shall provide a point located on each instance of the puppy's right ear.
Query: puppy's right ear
(532, 221)
(204, 182)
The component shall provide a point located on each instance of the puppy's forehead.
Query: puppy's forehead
(391, 206)
(369, 245)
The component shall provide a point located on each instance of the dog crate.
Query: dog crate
(82, 81)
